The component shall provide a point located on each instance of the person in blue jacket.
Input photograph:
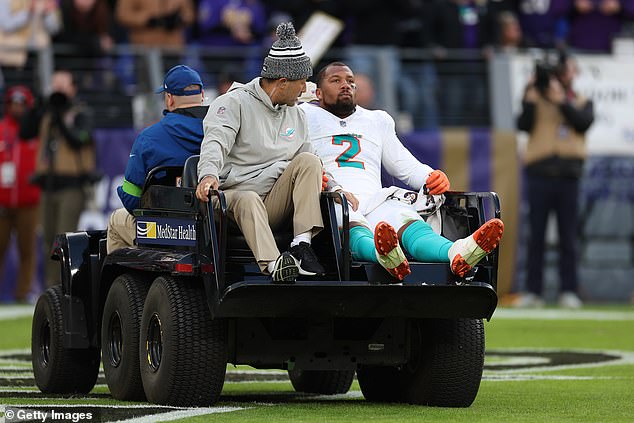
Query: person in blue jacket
(168, 142)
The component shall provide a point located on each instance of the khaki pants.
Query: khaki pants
(22, 220)
(121, 230)
(60, 213)
(295, 194)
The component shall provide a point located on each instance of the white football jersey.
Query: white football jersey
(353, 150)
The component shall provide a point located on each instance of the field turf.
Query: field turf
(542, 366)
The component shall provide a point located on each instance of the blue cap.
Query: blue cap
(178, 78)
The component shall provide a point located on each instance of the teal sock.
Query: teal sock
(420, 240)
(362, 244)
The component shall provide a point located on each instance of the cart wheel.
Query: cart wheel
(59, 370)
(183, 352)
(120, 329)
(327, 382)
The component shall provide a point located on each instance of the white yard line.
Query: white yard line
(181, 414)
(256, 372)
(238, 382)
(10, 312)
(79, 405)
(337, 397)
(523, 377)
(28, 389)
(559, 314)
(170, 414)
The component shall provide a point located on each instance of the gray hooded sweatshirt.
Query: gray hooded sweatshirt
(247, 141)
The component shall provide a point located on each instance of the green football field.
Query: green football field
(544, 365)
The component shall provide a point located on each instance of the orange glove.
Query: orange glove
(437, 182)
(324, 180)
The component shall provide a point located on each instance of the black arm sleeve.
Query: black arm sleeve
(526, 119)
(579, 118)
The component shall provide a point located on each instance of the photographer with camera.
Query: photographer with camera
(66, 162)
(556, 119)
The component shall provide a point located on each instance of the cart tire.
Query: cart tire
(183, 352)
(326, 382)
(380, 383)
(446, 363)
(59, 370)
(120, 329)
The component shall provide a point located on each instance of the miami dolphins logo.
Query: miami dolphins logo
(289, 133)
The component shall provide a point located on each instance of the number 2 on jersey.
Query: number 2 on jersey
(354, 148)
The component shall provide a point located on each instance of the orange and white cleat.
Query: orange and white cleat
(467, 252)
(389, 252)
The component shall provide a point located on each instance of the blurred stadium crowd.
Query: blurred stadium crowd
(427, 58)
(427, 62)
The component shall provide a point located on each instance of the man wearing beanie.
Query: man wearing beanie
(256, 149)
(167, 143)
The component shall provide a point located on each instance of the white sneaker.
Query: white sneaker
(570, 300)
(467, 252)
(528, 300)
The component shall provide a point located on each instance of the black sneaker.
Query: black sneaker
(306, 259)
(285, 269)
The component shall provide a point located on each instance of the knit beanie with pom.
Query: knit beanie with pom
(287, 58)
